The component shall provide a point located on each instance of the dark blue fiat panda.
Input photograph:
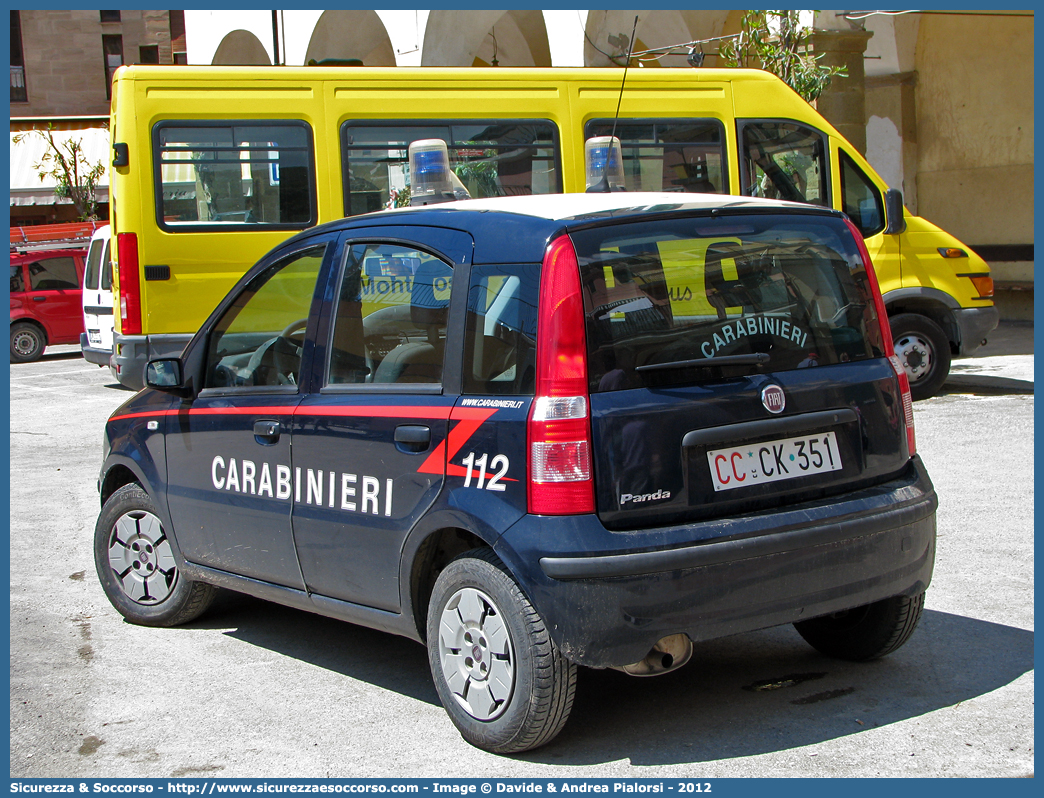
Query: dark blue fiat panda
(536, 433)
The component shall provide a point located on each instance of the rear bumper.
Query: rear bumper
(93, 354)
(717, 578)
(975, 324)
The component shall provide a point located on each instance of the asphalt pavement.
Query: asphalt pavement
(253, 689)
(1005, 363)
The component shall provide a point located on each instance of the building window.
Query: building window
(177, 36)
(109, 16)
(112, 45)
(148, 54)
(18, 92)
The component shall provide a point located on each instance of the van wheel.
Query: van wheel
(27, 342)
(924, 351)
(136, 565)
(504, 683)
(866, 632)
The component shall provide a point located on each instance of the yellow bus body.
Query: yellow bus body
(201, 265)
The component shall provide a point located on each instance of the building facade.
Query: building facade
(61, 70)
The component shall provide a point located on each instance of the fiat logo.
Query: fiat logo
(773, 399)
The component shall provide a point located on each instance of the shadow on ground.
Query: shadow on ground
(745, 695)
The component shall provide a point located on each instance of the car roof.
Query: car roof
(40, 254)
(515, 229)
(563, 207)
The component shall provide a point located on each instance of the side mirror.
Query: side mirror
(894, 212)
(165, 375)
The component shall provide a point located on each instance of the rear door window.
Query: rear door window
(669, 154)
(783, 160)
(390, 322)
(94, 258)
(106, 267)
(690, 301)
(54, 274)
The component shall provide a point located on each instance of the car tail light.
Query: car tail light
(886, 342)
(561, 481)
(130, 285)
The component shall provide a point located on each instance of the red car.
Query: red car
(46, 306)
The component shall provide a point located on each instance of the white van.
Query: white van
(96, 342)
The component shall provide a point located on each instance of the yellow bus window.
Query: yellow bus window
(491, 158)
(235, 174)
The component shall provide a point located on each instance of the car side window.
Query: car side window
(860, 198)
(17, 279)
(500, 330)
(54, 274)
(390, 323)
(259, 339)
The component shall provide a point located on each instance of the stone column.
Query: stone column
(844, 101)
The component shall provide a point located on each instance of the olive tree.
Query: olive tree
(777, 42)
(65, 162)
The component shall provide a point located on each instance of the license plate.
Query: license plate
(94, 336)
(772, 461)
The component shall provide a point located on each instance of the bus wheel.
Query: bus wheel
(923, 350)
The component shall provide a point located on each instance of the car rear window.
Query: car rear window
(698, 300)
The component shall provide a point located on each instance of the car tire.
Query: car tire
(136, 564)
(504, 683)
(27, 342)
(866, 632)
(924, 352)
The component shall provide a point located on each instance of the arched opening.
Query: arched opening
(609, 32)
(241, 48)
(477, 38)
(351, 34)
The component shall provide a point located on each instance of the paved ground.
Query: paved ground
(254, 689)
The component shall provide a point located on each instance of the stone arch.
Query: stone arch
(466, 38)
(241, 48)
(608, 32)
(351, 34)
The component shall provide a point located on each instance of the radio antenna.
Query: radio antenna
(627, 63)
(602, 186)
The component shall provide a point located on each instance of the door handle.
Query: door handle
(412, 438)
(39, 299)
(266, 432)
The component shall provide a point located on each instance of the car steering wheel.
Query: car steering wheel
(294, 327)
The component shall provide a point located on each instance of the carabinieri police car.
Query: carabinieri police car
(536, 433)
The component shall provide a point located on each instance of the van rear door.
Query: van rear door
(735, 363)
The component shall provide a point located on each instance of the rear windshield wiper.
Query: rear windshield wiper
(754, 358)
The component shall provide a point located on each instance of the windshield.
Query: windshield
(694, 300)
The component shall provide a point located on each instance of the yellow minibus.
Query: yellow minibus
(214, 166)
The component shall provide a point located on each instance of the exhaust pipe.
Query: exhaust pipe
(668, 655)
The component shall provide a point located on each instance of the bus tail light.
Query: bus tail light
(130, 284)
